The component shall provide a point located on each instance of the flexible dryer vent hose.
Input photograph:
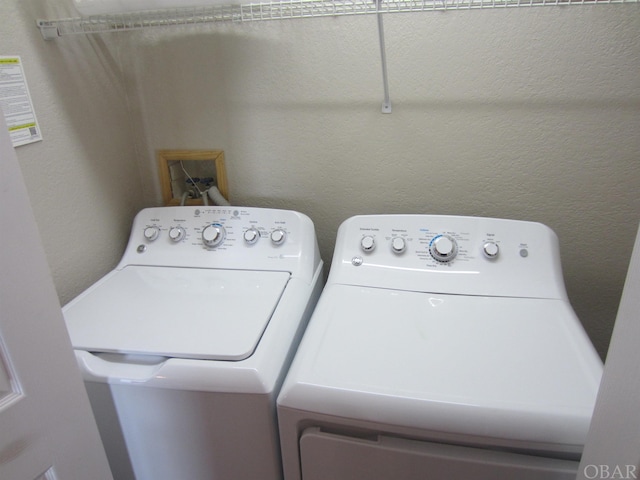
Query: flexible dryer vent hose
(216, 197)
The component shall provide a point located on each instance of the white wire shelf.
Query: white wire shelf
(286, 9)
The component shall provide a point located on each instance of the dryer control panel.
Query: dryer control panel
(449, 254)
(223, 237)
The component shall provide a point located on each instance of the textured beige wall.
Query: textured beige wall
(529, 114)
(83, 178)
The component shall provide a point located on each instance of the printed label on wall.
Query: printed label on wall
(15, 102)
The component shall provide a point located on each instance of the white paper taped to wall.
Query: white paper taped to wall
(16, 104)
(105, 7)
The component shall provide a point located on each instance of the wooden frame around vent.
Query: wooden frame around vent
(175, 166)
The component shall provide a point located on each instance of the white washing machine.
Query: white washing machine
(441, 348)
(184, 346)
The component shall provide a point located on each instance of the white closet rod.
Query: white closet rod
(286, 9)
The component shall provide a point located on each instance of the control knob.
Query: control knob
(368, 243)
(213, 235)
(278, 236)
(398, 244)
(151, 233)
(443, 248)
(176, 234)
(251, 236)
(491, 250)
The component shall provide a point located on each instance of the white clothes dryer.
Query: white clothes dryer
(441, 348)
(184, 346)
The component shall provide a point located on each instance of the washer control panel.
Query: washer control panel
(221, 237)
(451, 254)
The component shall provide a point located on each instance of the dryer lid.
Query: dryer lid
(508, 370)
(176, 312)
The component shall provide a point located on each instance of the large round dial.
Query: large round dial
(443, 248)
(213, 235)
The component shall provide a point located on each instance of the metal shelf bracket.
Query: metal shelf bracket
(48, 29)
(386, 103)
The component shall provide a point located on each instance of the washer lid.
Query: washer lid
(505, 371)
(176, 312)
